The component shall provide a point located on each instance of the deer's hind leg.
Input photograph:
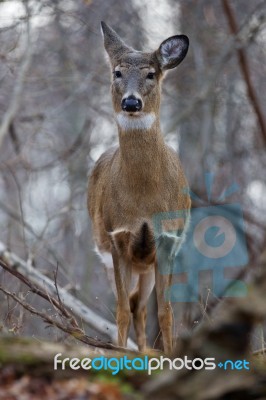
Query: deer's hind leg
(122, 272)
(138, 306)
(163, 282)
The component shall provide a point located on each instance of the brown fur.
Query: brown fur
(132, 182)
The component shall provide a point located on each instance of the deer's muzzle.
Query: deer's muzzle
(131, 104)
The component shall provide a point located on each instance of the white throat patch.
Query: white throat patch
(143, 121)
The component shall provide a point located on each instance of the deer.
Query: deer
(132, 182)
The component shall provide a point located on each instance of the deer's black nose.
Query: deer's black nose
(131, 104)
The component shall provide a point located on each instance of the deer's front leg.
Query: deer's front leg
(164, 310)
(122, 273)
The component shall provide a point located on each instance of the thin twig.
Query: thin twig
(55, 283)
(34, 288)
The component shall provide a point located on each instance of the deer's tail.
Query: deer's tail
(137, 246)
(142, 244)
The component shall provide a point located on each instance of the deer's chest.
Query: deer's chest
(143, 198)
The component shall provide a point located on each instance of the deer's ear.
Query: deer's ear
(113, 44)
(172, 51)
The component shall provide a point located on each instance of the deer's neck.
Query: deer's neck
(142, 153)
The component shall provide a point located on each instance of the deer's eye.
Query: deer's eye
(117, 74)
(151, 75)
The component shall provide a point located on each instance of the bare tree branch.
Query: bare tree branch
(69, 324)
(34, 288)
(244, 66)
(78, 308)
(76, 332)
(19, 83)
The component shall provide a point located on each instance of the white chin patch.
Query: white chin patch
(135, 122)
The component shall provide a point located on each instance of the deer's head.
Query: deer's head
(136, 77)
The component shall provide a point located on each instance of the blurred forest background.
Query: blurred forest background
(56, 119)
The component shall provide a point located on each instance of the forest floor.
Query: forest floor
(27, 373)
